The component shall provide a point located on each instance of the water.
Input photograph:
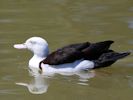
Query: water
(62, 22)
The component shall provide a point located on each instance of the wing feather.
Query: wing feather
(66, 54)
(70, 53)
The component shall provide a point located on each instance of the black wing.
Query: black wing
(78, 51)
(66, 54)
(95, 50)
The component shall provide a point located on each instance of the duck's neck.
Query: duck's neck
(38, 57)
(35, 60)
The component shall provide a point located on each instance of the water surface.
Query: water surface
(62, 22)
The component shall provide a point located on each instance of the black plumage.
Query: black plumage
(98, 52)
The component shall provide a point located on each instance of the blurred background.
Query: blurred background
(62, 22)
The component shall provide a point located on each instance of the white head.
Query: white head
(37, 45)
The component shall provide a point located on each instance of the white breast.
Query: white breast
(68, 68)
(34, 61)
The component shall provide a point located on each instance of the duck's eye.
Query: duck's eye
(32, 42)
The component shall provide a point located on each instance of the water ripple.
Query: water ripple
(6, 91)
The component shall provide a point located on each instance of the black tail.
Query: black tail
(96, 49)
(109, 58)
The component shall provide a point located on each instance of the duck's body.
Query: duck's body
(61, 68)
(71, 58)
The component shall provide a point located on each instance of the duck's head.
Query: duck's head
(37, 45)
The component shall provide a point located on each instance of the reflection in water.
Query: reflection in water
(130, 23)
(130, 80)
(39, 83)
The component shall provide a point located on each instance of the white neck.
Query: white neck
(38, 57)
(40, 53)
(35, 60)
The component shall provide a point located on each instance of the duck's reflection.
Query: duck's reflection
(130, 80)
(39, 83)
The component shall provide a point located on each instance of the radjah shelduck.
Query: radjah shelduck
(70, 58)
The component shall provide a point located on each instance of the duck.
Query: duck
(70, 58)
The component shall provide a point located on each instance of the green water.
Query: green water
(63, 22)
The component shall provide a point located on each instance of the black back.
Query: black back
(70, 53)
(66, 54)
